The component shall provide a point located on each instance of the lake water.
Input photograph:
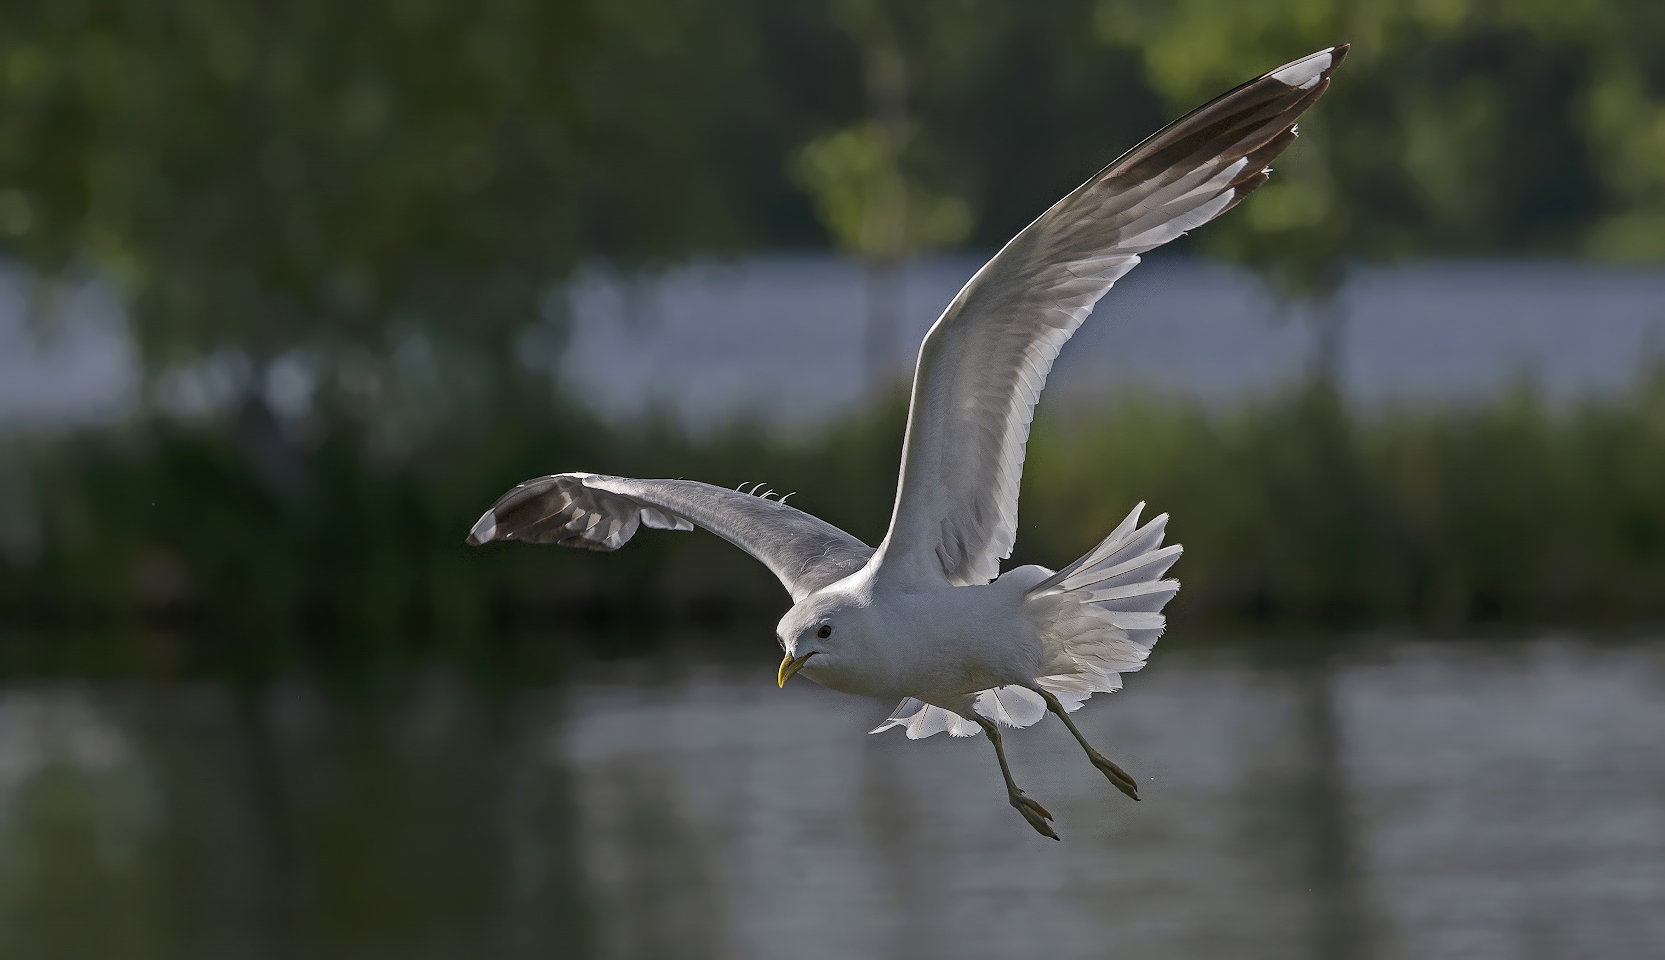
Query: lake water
(1416, 800)
(782, 340)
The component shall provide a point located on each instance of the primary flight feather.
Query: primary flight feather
(927, 616)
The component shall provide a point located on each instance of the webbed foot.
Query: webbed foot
(1118, 777)
(1036, 814)
(1032, 811)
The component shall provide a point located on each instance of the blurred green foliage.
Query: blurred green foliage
(1456, 126)
(1298, 513)
(1293, 515)
(259, 176)
(335, 176)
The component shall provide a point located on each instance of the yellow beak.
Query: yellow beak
(789, 666)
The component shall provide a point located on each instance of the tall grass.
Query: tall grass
(1295, 513)
(162, 550)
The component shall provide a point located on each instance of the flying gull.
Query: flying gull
(928, 616)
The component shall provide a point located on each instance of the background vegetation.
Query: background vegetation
(165, 553)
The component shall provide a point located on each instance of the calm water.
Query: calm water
(781, 339)
(706, 342)
(1423, 800)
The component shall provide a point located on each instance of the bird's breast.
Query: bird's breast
(952, 641)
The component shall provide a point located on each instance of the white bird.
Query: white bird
(927, 616)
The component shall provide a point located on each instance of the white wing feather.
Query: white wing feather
(984, 363)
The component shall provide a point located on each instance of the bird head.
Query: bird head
(823, 632)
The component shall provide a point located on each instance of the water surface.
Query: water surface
(1406, 800)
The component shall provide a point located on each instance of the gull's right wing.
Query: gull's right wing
(600, 513)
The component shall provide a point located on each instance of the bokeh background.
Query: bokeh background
(291, 292)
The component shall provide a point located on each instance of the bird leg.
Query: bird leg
(1117, 776)
(1033, 812)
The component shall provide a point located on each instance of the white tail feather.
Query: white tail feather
(1099, 617)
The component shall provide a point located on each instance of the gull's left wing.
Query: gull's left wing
(982, 366)
(601, 513)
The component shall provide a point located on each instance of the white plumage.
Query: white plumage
(927, 616)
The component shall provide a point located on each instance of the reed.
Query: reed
(1297, 515)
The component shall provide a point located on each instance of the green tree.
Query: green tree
(342, 176)
(1457, 127)
(870, 191)
(971, 118)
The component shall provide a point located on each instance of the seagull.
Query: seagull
(927, 616)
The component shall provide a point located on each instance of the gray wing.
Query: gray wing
(983, 365)
(600, 513)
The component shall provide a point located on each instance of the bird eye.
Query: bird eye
(825, 631)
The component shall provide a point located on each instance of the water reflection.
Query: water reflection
(1420, 801)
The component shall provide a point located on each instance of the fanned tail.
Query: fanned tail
(1099, 617)
(1129, 562)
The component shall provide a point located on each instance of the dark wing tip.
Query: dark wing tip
(1243, 188)
(1235, 124)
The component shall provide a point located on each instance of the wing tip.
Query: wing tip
(1305, 73)
(484, 530)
